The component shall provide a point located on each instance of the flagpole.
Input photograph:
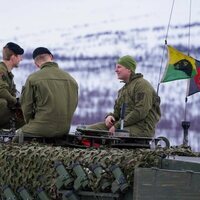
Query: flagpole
(185, 123)
(161, 66)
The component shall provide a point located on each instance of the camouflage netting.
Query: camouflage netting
(33, 165)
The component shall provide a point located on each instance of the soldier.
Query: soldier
(142, 110)
(12, 55)
(49, 98)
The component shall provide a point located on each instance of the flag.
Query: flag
(194, 83)
(179, 66)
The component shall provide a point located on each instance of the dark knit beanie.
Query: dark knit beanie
(128, 62)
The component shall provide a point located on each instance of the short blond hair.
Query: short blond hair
(43, 58)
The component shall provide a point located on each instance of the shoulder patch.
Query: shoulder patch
(2, 75)
(140, 96)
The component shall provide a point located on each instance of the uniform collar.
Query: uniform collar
(49, 64)
(134, 76)
(4, 65)
(10, 74)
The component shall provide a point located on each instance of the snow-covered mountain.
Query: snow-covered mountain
(89, 47)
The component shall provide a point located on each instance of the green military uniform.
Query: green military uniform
(142, 108)
(48, 101)
(7, 95)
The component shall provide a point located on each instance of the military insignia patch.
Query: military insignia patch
(2, 75)
(140, 96)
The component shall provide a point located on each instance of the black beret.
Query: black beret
(15, 48)
(39, 51)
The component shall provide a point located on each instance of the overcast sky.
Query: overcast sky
(25, 21)
(22, 16)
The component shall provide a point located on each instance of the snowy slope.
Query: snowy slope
(87, 37)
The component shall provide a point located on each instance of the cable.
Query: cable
(164, 49)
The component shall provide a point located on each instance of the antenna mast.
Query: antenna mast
(185, 123)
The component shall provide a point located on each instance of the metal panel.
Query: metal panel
(181, 163)
(160, 184)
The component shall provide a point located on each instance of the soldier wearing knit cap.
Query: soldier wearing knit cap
(142, 111)
(128, 62)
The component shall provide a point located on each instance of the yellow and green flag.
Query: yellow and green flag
(179, 66)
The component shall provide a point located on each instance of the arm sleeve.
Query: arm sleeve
(27, 103)
(143, 102)
(5, 94)
(115, 113)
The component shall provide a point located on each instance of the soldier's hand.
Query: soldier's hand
(109, 121)
(112, 130)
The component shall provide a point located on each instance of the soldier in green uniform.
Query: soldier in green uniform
(49, 98)
(12, 55)
(142, 110)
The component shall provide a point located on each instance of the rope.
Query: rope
(164, 49)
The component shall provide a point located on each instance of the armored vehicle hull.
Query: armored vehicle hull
(39, 171)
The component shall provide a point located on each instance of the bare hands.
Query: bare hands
(112, 129)
(109, 121)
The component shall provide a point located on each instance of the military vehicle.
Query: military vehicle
(92, 164)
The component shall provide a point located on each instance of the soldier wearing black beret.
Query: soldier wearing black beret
(49, 99)
(12, 56)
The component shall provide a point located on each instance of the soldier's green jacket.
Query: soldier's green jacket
(49, 99)
(7, 95)
(7, 86)
(142, 106)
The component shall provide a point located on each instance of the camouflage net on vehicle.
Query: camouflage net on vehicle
(34, 166)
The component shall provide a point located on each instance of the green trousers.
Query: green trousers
(134, 130)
